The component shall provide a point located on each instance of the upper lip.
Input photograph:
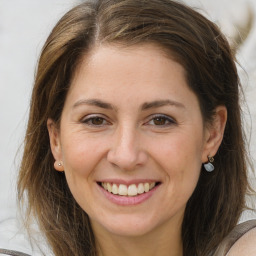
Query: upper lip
(128, 182)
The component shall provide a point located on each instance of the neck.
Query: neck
(164, 241)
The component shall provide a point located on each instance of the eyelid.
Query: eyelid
(171, 120)
(86, 119)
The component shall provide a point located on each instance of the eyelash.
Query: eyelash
(168, 121)
(89, 121)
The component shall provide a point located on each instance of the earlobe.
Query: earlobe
(55, 144)
(214, 133)
(58, 166)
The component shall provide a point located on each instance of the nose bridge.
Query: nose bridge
(126, 151)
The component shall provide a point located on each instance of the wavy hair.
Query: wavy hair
(188, 38)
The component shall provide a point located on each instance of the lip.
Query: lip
(129, 182)
(128, 200)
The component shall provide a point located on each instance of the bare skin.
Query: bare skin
(130, 118)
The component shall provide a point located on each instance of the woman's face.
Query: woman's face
(131, 125)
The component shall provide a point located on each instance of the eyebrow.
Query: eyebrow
(93, 102)
(161, 103)
(145, 106)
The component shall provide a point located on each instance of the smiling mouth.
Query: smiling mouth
(130, 190)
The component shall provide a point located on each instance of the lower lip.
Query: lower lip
(128, 200)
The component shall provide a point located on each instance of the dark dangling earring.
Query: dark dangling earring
(209, 167)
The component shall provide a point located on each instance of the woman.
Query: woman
(134, 144)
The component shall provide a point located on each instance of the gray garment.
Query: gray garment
(233, 236)
(12, 253)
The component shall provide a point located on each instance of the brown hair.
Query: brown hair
(199, 46)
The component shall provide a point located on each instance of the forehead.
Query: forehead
(141, 71)
(119, 60)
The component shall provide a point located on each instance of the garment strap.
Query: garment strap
(13, 253)
(233, 236)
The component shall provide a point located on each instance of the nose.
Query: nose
(126, 152)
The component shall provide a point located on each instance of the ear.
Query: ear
(214, 133)
(55, 144)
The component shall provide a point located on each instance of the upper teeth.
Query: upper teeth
(131, 190)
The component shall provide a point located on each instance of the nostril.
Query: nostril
(126, 159)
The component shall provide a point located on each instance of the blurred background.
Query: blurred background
(25, 25)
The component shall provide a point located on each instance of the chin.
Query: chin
(129, 226)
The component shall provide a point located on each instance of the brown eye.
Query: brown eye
(97, 121)
(160, 120)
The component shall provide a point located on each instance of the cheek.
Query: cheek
(80, 158)
(80, 155)
(180, 159)
(179, 151)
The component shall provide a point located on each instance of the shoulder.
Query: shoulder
(245, 245)
(240, 241)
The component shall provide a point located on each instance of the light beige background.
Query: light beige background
(24, 26)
